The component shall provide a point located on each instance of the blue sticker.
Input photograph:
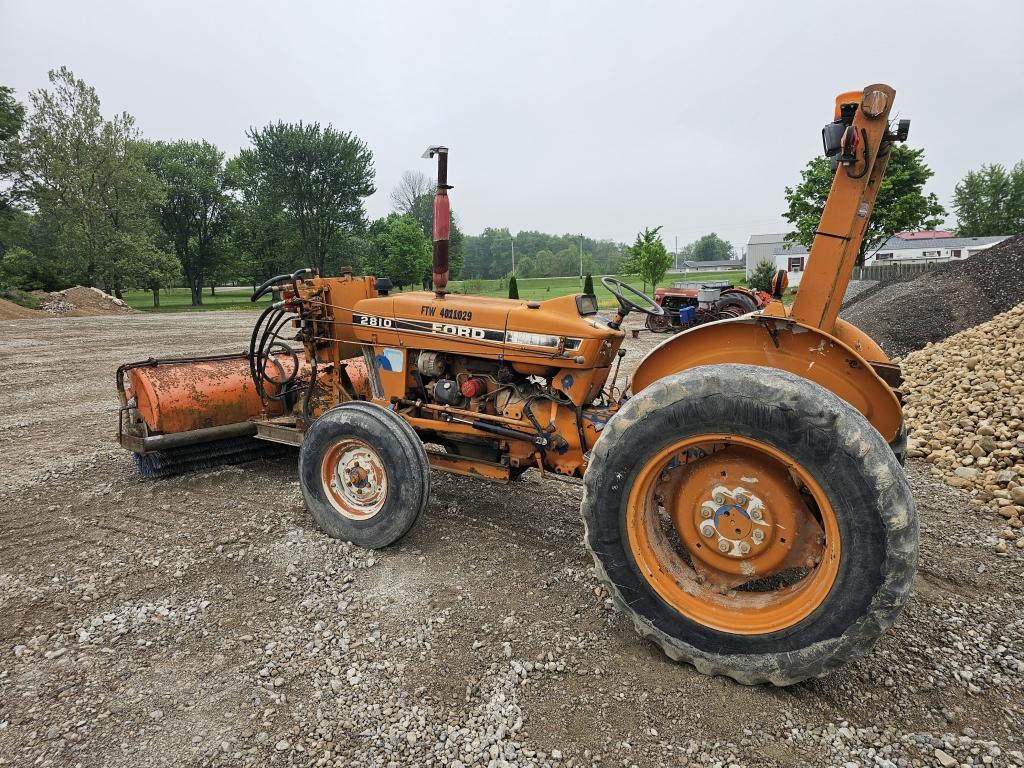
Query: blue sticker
(391, 360)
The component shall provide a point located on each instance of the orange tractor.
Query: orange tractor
(743, 496)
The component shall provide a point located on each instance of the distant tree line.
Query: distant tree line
(86, 198)
(537, 254)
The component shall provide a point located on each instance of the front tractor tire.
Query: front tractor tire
(364, 474)
(752, 523)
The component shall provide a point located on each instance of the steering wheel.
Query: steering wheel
(648, 307)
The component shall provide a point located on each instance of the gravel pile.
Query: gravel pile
(965, 413)
(906, 313)
(855, 289)
(56, 305)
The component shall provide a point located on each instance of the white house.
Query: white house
(904, 247)
(928, 247)
(710, 266)
(793, 259)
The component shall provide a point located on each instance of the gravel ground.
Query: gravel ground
(204, 620)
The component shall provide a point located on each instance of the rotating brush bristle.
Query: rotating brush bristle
(177, 461)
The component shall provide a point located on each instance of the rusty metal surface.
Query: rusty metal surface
(179, 397)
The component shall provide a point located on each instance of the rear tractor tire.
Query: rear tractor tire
(364, 474)
(751, 522)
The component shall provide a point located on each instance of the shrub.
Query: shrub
(761, 278)
(20, 297)
(588, 285)
(473, 285)
(513, 288)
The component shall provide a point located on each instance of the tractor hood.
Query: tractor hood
(478, 325)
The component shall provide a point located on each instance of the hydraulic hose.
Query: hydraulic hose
(270, 322)
(293, 278)
(253, 359)
(259, 292)
(269, 341)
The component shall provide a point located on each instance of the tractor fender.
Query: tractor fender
(788, 345)
(852, 336)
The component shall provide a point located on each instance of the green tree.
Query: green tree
(153, 270)
(489, 254)
(513, 288)
(350, 250)
(194, 210)
(86, 178)
(710, 248)
(318, 177)
(648, 257)
(545, 263)
(526, 266)
(588, 285)
(901, 203)
(990, 201)
(262, 235)
(12, 116)
(566, 262)
(401, 250)
(761, 277)
(20, 268)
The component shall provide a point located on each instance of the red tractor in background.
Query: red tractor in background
(690, 304)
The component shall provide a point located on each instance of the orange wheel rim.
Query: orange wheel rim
(733, 534)
(354, 479)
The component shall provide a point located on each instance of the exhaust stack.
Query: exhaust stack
(442, 220)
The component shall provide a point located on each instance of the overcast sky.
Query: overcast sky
(594, 117)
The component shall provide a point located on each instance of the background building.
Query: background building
(902, 248)
(710, 266)
(928, 247)
(761, 248)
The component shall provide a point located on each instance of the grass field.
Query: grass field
(180, 300)
(534, 288)
(541, 288)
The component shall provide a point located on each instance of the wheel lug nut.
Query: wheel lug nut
(723, 545)
(755, 514)
(705, 513)
(707, 530)
(758, 536)
(744, 547)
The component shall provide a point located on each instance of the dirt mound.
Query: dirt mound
(905, 314)
(11, 311)
(80, 301)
